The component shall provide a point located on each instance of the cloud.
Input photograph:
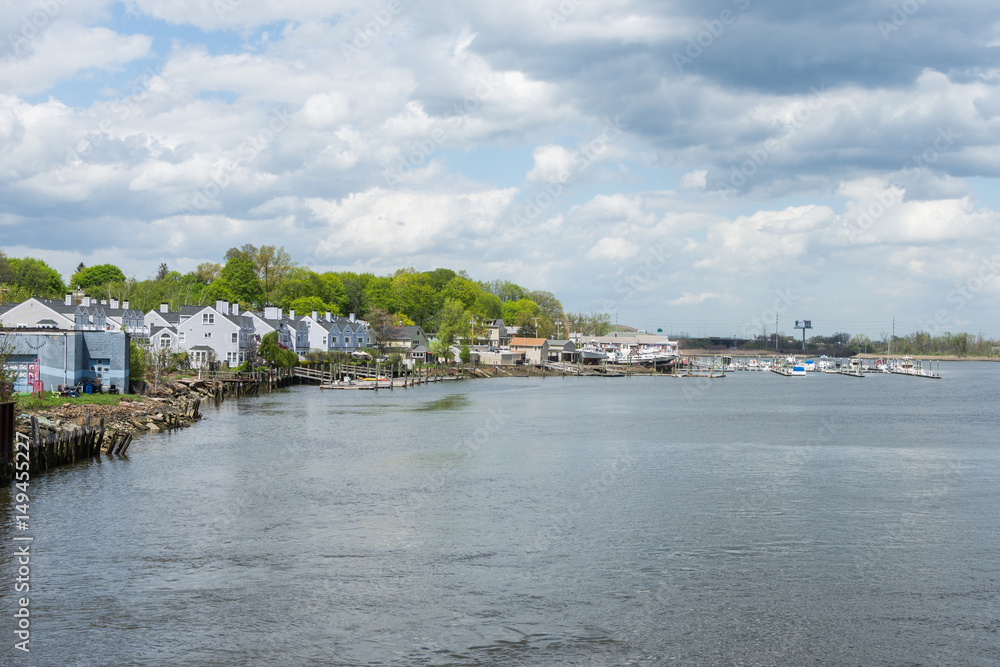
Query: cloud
(689, 299)
(420, 143)
(613, 249)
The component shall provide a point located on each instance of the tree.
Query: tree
(96, 276)
(415, 295)
(37, 277)
(307, 304)
(207, 272)
(513, 309)
(274, 353)
(382, 326)
(548, 303)
(439, 348)
(6, 270)
(136, 362)
(247, 251)
(506, 290)
(526, 322)
(354, 291)
(272, 265)
(80, 267)
(8, 372)
(465, 354)
(454, 321)
(162, 272)
(240, 277)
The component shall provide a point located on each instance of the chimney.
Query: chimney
(114, 304)
(291, 314)
(104, 302)
(351, 317)
(125, 305)
(316, 315)
(270, 313)
(236, 309)
(164, 307)
(222, 307)
(69, 299)
(86, 302)
(328, 318)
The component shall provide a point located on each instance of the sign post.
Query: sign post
(803, 324)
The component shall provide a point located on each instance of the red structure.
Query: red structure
(35, 379)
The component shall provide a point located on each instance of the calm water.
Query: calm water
(754, 520)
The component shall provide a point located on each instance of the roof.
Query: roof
(528, 342)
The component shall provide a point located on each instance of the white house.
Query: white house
(220, 333)
(327, 333)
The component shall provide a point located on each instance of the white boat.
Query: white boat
(798, 371)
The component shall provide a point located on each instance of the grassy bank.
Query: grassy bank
(25, 403)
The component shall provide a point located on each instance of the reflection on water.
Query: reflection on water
(450, 402)
(586, 521)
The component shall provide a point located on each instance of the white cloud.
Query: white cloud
(613, 249)
(694, 179)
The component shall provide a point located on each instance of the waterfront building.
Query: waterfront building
(70, 357)
(536, 350)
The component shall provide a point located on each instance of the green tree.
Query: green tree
(439, 348)
(37, 277)
(548, 303)
(462, 289)
(272, 264)
(96, 276)
(415, 295)
(513, 309)
(162, 272)
(379, 294)
(271, 351)
(307, 304)
(8, 374)
(240, 276)
(465, 354)
(454, 321)
(136, 362)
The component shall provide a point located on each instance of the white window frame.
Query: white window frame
(208, 318)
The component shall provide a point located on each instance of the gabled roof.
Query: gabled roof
(528, 342)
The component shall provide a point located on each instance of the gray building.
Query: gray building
(70, 357)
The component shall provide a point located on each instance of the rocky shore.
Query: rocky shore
(172, 405)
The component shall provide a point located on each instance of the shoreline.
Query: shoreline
(771, 353)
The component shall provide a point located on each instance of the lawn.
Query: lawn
(26, 402)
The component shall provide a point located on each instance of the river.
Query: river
(750, 520)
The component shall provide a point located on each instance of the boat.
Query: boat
(798, 371)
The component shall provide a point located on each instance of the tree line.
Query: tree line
(445, 301)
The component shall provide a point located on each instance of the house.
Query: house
(274, 319)
(220, 333)
(70, 356)
(498, 334)
(562, 351)
(327, 333)
(406, 340)
(536, 350)
(88, 315)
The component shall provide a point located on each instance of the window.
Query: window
(208, 318)
(208, 334)
(180, 337)
(232, 358)
(236, 338)
(324, 340)
(347, 340)
(164, 340)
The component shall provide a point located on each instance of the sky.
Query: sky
(698, 167)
